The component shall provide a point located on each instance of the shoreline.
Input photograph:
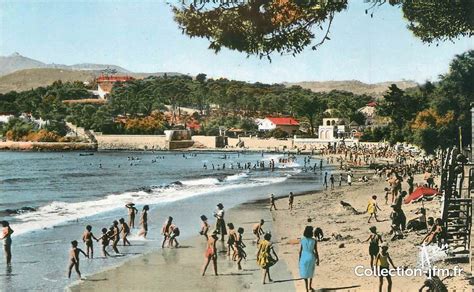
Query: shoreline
(150, 271)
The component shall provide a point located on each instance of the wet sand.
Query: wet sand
(179, 269)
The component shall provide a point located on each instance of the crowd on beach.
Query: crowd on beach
(347, 157)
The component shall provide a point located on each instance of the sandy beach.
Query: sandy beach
(179, 269)
(337, 264)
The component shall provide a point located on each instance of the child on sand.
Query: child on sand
(166, 231)
(239, 246)
(387, 193)
(372, 208)
(144, 221)
(7, 241)
(384, 261)
(105, 242)
(74, 259)
(211, 253)
(174, 234)
(204, 226)
(231, 239)
(87, 239)
(125, 232)
(258, 230)
(374, 240)
(264, 256)
(272, 202)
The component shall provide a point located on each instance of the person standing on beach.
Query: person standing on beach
(384, 261)
(402, 219)
(144, 221)
(132, 211)
(290, 201)
(7, 241)
(87, 239)
(74, 259)
(231, 239)
(410, 181)
(220, 222)
(325, 183)
(204, 227)
(340, 179)
(374, 240)
(331, 179)
(272, 202)
(308, 257)
(258, 230)
(372, 208)
(264, 256)
(349, 179)
(211, 253)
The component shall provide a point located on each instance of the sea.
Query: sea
(49, 198)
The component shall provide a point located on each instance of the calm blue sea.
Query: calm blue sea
(68, 191)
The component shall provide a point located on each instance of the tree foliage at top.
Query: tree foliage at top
(262, 27)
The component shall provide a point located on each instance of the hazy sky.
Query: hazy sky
(141, 36)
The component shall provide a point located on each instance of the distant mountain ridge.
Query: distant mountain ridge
(354, 86)
(16, 62)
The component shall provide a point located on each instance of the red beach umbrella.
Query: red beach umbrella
(419, 193)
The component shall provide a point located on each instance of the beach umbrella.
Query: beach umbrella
(420, 193)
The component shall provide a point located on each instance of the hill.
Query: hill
(354, 86)
(32, 78)
(16, 62)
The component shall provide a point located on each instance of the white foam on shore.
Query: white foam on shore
(58, 213)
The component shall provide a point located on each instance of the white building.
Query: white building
(332, 128)
(287, 124)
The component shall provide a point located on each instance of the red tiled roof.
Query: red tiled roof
(114, 78)
(283, 121)
(372, 104)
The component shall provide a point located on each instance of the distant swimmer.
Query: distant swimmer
(74, 259)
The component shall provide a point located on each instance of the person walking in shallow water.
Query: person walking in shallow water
(74, 259)
(132, 211)
(144, 221)
(7, 241)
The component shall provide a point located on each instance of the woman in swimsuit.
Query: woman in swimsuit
(166, 231)
(144, 221)
(374, 240)
(384, 261)
(7, 241)
(239, 246)
(211, 253)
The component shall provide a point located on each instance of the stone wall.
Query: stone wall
(130, 142)
(263, 144)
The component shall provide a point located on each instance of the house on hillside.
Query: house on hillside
(289, 124)
(333, 128)
(105, 84)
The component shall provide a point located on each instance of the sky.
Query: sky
(141, 36)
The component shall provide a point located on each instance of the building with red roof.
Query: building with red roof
(106, 83)
(287, 124)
